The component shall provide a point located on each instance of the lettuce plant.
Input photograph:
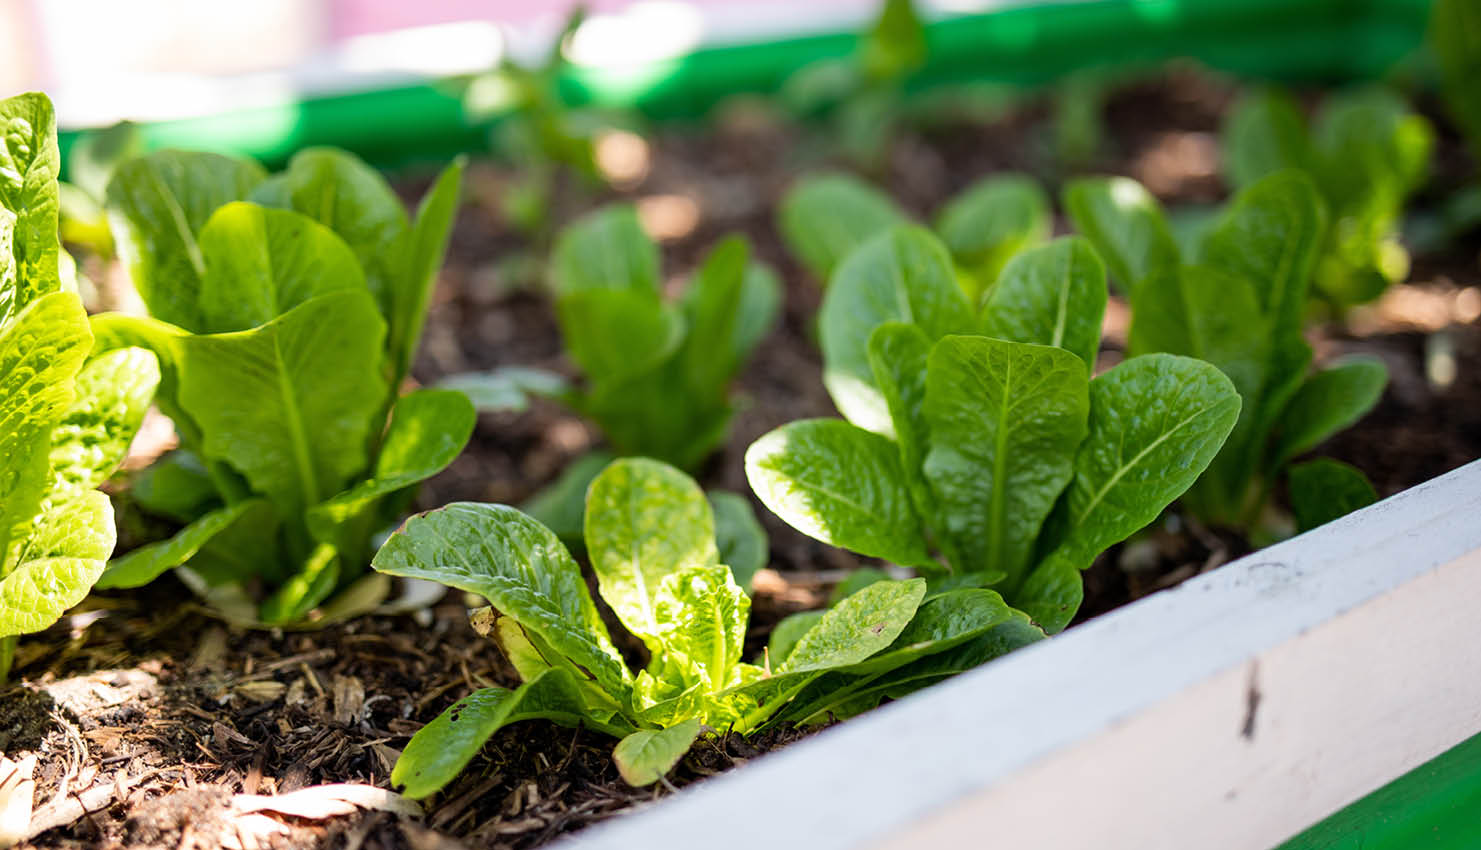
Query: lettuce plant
(65, 421)
(1238, 303)
(1455, 40)
(976, 442)
(1366, 152)
(285, 312)
(1455, 43)
(862, 95)
(542, 136)
(650, 534)
(825, 218)
(656, 371)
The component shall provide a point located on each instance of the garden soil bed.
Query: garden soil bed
(148, 716)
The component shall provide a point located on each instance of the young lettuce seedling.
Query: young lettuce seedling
(862, 95)
(543, 137)
(825, 218)
(1240, 307)
(657, 372)
(285, 312)
(651, 537)
(1366, 152)
(66, 422)
(976, 440)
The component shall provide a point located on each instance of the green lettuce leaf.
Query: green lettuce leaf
(824, 218)
(561, 505)
(1323, 490)
(606, 250)
(1125, 224)
(897, 355)
(115, 331)
(157, 205)
(1271, 235)
(148, 562)
(521, 568)
(647, 755)
(998, 641)
(857, 627)
(58, 564)
(895, 45)
(941, 624)
(1329, 401)
(786, 634)
(728, 307)
(702, 615)
(41, 352)
(645, 521)
(1005, 420)
(260, 263)
(175, 486)
(902, 275)
(412, 294)
(840, 484)
(1206, 313)
(428, 429)
(349, 197)
(1455, 40)
(1263, 133)
(1156, 421)
(93, 437)
(29, 167)
(291, 405)
(1055, 295)
(615, 334)
(989, 223)
(305, 589)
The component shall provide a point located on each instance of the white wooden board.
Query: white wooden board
(1141, 729)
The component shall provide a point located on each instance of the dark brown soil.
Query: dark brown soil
(148, 716)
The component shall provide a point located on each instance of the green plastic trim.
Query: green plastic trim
(1288, 40)
(1436, 806)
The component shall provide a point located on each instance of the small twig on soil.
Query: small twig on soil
(313, 680)
(301, 658)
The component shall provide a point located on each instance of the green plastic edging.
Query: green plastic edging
(1287, 40)
(1436, 806)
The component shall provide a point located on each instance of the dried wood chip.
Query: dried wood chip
(327, 801)
(519, 826)
(17, 795)
(264, 691)
(221, 735)
(297, 692)
(349, 699)
(210, 651)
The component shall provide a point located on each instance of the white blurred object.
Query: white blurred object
(648, 31)
(436, 50)
(150, 60)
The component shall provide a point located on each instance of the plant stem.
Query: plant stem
(7, 656)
